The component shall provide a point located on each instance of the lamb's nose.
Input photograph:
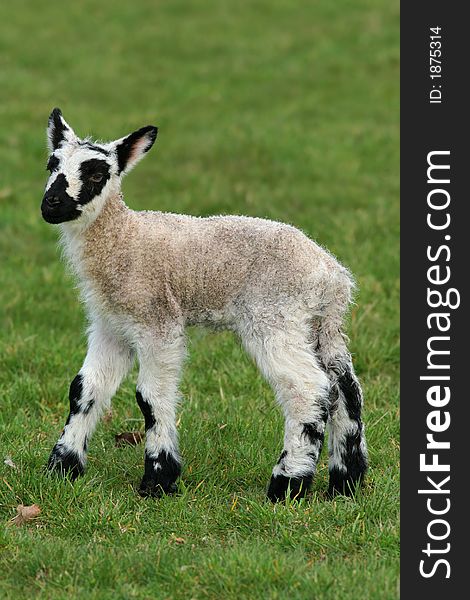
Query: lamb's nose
(52, 201)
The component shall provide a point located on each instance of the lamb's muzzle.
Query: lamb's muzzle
(144, 276)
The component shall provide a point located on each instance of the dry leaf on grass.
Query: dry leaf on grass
(5, 193)
(25, 514)
(108, 417)
(9, 462)
(129, 437)
(179, 540)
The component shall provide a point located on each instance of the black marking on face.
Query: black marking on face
(146, 410)
(57, 206)
(52, 163)
(352, 394)
(56, 128)
(94, 174)
(279, 485)
(65, 462)
(126, 147)
(96, 148)
(155, 483)
(314, 432)
(59, 187)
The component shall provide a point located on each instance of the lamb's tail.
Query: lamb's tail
(330, 341)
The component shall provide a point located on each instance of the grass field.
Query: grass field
(272, 108)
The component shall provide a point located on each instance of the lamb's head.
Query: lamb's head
(83, 174)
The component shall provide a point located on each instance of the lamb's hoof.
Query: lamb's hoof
(153, 489)
(280, 486)
(160, 474)
(344, 484)
(65, 463)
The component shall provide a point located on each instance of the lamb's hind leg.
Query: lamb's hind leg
(160, 362)
(301, 387)
(346, 438)
(107, 362)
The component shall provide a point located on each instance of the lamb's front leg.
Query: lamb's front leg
(157, 396)
(107, 362)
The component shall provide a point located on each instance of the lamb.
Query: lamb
(144, 276)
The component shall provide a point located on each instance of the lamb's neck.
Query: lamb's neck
(110, 219)
(79, 240)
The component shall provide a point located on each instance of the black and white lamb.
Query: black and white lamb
(144, 276)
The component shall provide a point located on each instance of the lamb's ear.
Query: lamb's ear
(132, 148)
(58, 130)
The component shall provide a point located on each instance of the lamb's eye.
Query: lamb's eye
(96, 177)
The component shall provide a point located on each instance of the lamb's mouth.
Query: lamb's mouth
(59, 214)
(56, 219)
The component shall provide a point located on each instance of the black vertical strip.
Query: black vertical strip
(428, 127)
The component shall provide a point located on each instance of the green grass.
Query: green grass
(272, 108)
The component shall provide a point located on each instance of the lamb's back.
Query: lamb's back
(209, 261)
